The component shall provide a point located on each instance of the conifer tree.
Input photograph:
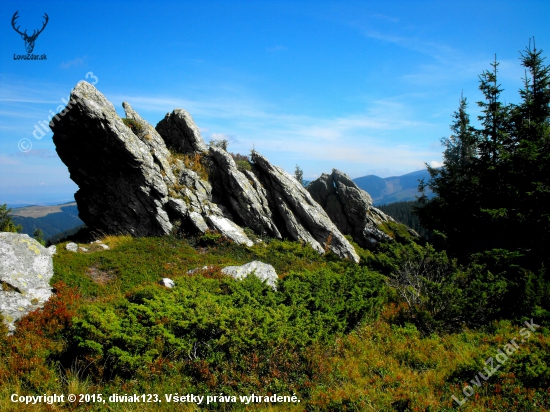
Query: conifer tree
(6, 220)
(454, 184)
(530, 165)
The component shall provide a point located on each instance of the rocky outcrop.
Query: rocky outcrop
(302, 217)
(180, 132)
(26, 268)
(243, 195)
(155, 143)
(349, 207)
(120, 179)
(266, 273)
(147, 181)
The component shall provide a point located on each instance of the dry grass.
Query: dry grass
(194, 162)
(99, 276)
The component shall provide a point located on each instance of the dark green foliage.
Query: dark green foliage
(220, 321)
(403, 213)
(62, 236)
(7, 223)
(242, 162)
(493, 192)
(39, 236)
(440, 296)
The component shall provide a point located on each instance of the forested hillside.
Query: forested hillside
(403, 212)
(393, 189)
(52, 224)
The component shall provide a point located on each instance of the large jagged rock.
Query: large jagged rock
(243, 195)
(120, 178)
(26, 268)
(302, 217)
(349, 207)
(180, 132)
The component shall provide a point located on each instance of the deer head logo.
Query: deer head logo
(29, 40)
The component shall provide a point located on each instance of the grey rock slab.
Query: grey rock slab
(349, 207)
(263, 271)
(121, 178)
(228, 229)
(295, 204)
(26, 268)
(242, 195)
(154, 142)
(179, 131)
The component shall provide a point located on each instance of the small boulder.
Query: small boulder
(71, 247)
(167, 282)
(266, 273)
(26, 268)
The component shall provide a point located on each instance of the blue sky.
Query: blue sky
(366, 87)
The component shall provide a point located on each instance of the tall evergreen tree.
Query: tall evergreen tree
(530, 166)
(454, 184)
(493, 191)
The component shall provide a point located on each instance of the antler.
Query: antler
(43, 27)
(15, 16)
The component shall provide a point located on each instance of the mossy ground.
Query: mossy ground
(332, 334)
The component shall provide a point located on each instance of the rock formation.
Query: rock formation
(302, 217)
(350, 208)
(120, 178)
(26, 268)
(147, 181)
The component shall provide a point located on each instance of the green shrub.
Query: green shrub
(224, 324)
(243, 165)
(134, 125)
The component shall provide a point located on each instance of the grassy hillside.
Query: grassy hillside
(336, 334)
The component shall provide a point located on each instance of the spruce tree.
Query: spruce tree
(530, 165)
(6, 220)
(454, 184)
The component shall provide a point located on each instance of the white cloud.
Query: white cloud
(361, 138)
(435, 163)
(77, 61)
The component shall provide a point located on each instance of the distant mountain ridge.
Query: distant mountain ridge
(393, 189)
(52, 220)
